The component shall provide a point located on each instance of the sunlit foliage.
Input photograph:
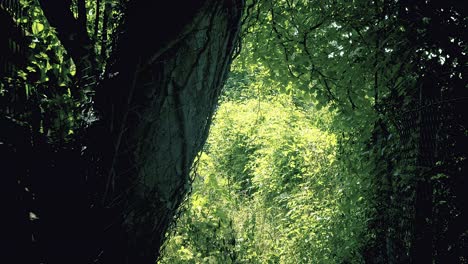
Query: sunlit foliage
(338, 137)
(272, 187)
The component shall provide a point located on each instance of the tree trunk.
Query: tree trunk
(111, 194)
(157, 109)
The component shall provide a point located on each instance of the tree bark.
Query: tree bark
(110, 195)
(156, 110)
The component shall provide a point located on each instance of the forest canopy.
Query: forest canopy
(234, 131)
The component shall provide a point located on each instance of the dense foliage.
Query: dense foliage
(340, 137)
(53, 90)
(272, 186)
(379, 85)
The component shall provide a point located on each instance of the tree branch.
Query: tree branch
(71, 32)
(82, 19)
(96, 19)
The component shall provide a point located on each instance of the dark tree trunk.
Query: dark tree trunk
(110, 195)
(157, 110)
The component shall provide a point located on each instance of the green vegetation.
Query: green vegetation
(280, 181)
(323, 147)
(340, 135)
(272, 186)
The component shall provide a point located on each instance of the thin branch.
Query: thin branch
(70, 32)
(353, 105)
(249, 11)
(82, 18)
(96, 19)
(105, 22)
(279, 37)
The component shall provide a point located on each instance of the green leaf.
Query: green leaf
(37, 27)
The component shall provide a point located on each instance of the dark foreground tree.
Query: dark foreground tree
(104, 187)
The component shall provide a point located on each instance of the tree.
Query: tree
(109, 122)
(394, 72)
(106, 187)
